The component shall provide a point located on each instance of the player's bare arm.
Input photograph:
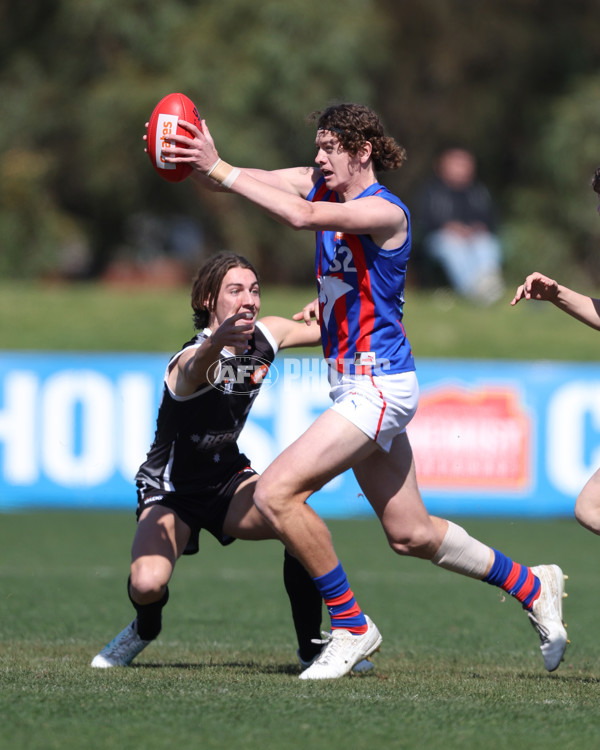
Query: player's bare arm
(537, 287)
(281, 193)
(198, 365)
(200, 152)
(580, 306)
(290, 333)
(385, 222)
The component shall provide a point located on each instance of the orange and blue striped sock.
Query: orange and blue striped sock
(339, 599)
(514, 578)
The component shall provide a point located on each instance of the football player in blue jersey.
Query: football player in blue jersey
(363, 238)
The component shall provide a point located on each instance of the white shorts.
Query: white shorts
(379, 405)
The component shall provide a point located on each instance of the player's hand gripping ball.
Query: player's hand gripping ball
(163, 123)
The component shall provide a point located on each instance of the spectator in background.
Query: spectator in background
(456, 223)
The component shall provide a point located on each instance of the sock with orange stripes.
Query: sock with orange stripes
(514, 578)
(339, 599)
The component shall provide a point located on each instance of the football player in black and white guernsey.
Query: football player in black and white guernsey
(194, 476)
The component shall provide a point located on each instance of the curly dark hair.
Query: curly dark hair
(207, 284)
(596, 180)
(353, 124)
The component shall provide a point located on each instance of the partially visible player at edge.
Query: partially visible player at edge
(587, 310)
(362, 248)
(194, 476)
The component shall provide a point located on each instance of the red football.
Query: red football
(163, 122)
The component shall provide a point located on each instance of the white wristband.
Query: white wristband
(231, 177)
(214, 166)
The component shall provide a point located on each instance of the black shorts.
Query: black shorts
(205, 509)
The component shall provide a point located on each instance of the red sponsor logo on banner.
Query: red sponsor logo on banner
(471, 439)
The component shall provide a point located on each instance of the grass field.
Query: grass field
(92, 317)
(459, 667)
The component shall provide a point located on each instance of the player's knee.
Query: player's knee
(264, 499)
(588, 515)
(587, 505)
(147, 583)
(270, 499)
(415, 542)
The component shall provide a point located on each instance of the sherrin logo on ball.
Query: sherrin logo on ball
(164, 121)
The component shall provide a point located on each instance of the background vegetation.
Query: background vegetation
(91, 317)
(517, 80)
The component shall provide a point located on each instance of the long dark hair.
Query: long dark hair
(207, 284)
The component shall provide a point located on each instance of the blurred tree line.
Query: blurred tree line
(517, 81)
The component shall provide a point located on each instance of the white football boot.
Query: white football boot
(546, 614)
(366, 665)
(122, 650)
(343, 650)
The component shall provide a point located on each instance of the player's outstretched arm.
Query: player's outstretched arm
(580, 306)
(536, 286)
(290, 333)
(282, 193)
(198, 365)
(201, 153)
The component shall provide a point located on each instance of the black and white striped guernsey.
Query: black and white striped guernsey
(196, 436)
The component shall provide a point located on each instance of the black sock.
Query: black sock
(149, 616)
(306, 604)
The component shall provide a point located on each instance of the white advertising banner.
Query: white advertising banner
(499, 438)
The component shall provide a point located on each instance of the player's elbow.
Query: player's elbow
(302, 217)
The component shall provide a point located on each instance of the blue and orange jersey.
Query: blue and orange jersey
(361, 296)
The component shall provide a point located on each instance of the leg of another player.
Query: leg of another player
(244, 521)
(160, 539)
(306, 605)
(587, 506)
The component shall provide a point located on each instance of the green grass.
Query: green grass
(93, 317)
(459, 667)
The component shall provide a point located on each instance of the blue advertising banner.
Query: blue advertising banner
(496, 438)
